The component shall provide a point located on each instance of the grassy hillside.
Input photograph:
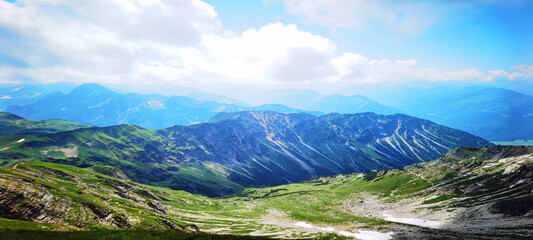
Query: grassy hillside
(66, 198)
(11, 124)
(123, 151)
(478, 193)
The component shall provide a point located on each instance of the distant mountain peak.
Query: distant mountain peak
(87, 88)
(252, 114)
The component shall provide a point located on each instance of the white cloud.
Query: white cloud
(356, 68)
(148, 42)
(516, 72)
(271, 51)
(24, 21)
(522, 71)
(102, 40)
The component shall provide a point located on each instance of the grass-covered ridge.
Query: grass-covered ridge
(11, 124)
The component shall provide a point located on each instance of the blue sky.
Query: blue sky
(484, 34)
(215, 45)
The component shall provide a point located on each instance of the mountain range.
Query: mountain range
(94, 104)
(309, 100)
(97, 105)
(248, 148)
(492, 113)
(495, 114)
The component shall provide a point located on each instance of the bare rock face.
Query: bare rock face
(25, 201)
(157, 206)
(514, 207)
(59, 173)
(191, 229)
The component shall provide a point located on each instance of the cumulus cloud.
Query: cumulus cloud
(275, 52)
(147, 42)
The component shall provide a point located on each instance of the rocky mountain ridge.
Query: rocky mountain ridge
(245, 149)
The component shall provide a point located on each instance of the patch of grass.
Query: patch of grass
(10, 224)
(440, 198)
(515, 142)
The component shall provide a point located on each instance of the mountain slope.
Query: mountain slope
(82, 199)
(245, 148)
(11, 124)
(303, 145)
(281, 109)
(468, 193)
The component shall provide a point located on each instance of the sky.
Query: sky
(223, 47)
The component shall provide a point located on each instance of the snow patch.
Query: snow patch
(367, 235)
(21, 140)
(363, 235)
(307, 225)
(413, 221)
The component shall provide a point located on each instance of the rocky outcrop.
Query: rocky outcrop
(515, 207)
(28, 201)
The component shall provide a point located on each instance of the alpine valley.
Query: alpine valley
(469, 192)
